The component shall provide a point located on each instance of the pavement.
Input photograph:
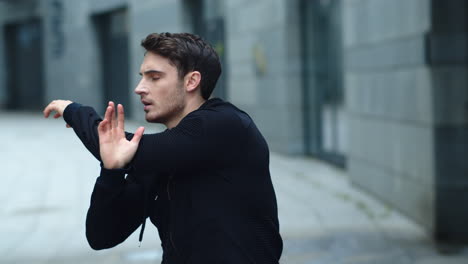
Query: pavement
(47, 178)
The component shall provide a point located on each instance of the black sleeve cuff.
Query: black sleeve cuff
(112, 177)
(69, 111)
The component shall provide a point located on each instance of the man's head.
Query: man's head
(176, 67)
(187, 52)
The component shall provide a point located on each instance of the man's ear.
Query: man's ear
(192, 80)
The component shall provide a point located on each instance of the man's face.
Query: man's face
(162, 92)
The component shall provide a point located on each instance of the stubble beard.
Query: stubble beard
(166, 111)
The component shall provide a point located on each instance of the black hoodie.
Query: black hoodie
(205, 184)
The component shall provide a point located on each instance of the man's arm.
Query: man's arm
(117, 203)
(202, 139)
(83, 119)
(196, 142)
(186, 144)
(116, 209)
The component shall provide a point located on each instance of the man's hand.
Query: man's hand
(57, 106)
(116, 151)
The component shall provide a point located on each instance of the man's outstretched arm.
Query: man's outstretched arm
(83, 119)
(116, 208)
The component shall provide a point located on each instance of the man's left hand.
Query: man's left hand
(57, 106)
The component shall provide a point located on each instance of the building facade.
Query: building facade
(374, 86)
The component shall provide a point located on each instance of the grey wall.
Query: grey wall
(263, 50)
(389, 103)
(264, 73)
(71, 51)
(81, 48)
(406, 97)
(72, 61)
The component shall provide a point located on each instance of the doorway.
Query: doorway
(24, 60)
(112, 35)
(323, 80)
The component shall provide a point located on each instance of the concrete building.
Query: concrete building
(377, 87)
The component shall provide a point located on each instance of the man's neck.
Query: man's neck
(191, 106)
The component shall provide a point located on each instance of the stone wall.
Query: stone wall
(264, 73)
(389, 103)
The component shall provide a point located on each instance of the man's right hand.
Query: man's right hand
(115, 150)
(57, 106)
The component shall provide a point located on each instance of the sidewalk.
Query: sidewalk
(48, 177)
(326, 220)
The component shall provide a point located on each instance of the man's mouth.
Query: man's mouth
(146, 104)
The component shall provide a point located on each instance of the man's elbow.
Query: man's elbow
(97, 233)
(95, 246)
(97, 242)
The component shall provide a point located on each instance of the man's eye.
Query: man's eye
(154, 78)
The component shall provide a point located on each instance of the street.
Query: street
(47, 178)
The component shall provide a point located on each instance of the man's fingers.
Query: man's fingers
(138, 134)
(108, 114)
(102, 127)
(57, 115)
(48, 110)
(120, 117)
(114, 116)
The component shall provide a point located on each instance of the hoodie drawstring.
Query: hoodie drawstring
(146, 191)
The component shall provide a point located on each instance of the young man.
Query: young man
(204, 182)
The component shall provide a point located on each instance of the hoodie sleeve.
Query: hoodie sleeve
(201, 139)
(183, 143)
(116, 210)
(84, 120)
(117, 203)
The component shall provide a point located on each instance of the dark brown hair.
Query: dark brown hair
(187, 52)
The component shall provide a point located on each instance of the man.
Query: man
(204, 182)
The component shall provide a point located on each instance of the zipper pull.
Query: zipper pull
(156, 198)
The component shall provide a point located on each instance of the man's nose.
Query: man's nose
(140, 89)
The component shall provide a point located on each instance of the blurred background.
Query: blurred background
(364, 104)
